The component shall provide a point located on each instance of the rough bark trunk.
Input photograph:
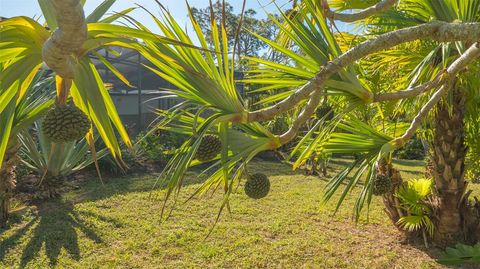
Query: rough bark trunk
(391, 203)
(7, 182)
(456, 218)
(448, 161)
(50, 187)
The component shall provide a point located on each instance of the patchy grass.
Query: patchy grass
(118, 226)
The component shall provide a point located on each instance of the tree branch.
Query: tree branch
(379, 7)
(467, 57)
(417, 90)
(306, 113)
(459, 64)
(439, 80)
(67, 39)
(437, 31)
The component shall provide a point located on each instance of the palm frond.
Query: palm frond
(371, 145)
(411, 196)
(317, 45)
(204, 77)
(461, 254)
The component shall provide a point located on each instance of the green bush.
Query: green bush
(413, 150)
(461, 254)
(279, 125)
(149, 148)
(157, 146)
(473, 168)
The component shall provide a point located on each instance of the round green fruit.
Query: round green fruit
(326, 111)
(382, 184)
(65, 123)
(257, 186)
(209, 148)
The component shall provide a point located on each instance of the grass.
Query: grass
(119, 226)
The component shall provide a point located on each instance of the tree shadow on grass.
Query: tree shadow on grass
(13, 239)
(93, 190)
(55, 228)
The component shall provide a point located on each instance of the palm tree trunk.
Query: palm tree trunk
(448, 160)
(390, 201)
(7, 182)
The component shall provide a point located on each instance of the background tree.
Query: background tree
(247, 43)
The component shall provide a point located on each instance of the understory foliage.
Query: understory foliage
(461, 254)
(413, 150)
(50, 160)
(158, 146)
(473, 134)
(413, 196)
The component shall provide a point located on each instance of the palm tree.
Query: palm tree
(30, 108)
(64, 45)
(448, 145)
(334, 66)
(53, 163)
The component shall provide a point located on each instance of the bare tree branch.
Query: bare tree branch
(417, 90)
(306, 113)
(67, 39)
(437, 31)
(467, 57)
(379, 7)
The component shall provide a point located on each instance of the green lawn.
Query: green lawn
(119, 226)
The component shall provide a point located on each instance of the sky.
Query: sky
(10, 8)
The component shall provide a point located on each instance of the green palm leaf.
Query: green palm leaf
(357, 137)
(317, 45)
(204, 77)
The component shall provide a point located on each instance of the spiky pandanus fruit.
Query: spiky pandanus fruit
(382, 184)
(65, 123)
(257, 186)
(209, 148)
(326, 111)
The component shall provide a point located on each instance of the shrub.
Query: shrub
(413, 150)
(157, 146)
